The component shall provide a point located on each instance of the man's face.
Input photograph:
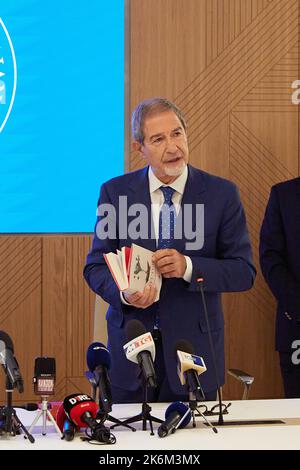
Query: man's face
(165, 146)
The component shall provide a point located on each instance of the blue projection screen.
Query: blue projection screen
(61, 111)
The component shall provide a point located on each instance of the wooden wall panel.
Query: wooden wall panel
(68, 307)
(229, 65)
(46, 307)
(81, 304)
(20, 304)
(54, 308)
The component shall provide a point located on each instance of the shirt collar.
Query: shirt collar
(178, 185)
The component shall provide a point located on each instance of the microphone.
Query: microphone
(82, 411)
(44, 376)
(98, 361)
(68, 430)
(9, 362)
(177, 415)
(140, 349)
(66, 427)
(189, 368)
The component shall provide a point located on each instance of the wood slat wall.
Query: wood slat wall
(229, 65)
(46, 307)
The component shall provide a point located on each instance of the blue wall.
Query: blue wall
(65, 133)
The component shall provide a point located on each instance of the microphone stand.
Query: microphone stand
(12, 422)
(221, 422)
(103, 416)
(200, 281)
(145, 414)
(193, 407)
(45, 413)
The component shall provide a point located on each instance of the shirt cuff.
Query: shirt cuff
(189, 269)
(123, 299)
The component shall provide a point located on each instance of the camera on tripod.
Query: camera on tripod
(44, 376)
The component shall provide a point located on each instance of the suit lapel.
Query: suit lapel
(193, 193)
(139, 193)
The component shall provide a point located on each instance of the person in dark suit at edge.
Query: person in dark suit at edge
(223, 258)
(280, 265)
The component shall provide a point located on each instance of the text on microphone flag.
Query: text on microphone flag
(78, 399)
(138, 343)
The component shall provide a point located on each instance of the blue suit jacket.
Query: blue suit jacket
(280, 258)
(225, 262)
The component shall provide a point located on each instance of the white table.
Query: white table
(269, 436)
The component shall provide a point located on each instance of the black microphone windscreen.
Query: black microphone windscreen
(133, 329)
(6, 340)
(44, 366)
(185, 346)
(97, 355)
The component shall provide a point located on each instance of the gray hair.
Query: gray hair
(149, 108)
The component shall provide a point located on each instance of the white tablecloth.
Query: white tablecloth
(268, 436)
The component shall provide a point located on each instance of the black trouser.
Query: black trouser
(161, 393)
(291, 375)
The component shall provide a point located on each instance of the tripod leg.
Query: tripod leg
(35, 420)
(44, 422)
(143, 416)
(208, 422)
(194, 420)
(119, 423)
(18, 424)
(146, 409)
(54, 424)
(150, 423)
(134, 419)
(144, 422)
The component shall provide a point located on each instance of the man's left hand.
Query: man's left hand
(170, 263)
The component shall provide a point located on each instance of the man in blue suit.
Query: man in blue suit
(221, 255)
(280, 265)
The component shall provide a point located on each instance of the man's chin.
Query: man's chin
(176, 170)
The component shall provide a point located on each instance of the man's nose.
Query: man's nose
(171, 146)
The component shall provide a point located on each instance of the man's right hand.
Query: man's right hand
(142, 299)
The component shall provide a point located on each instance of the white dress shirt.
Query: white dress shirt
(157, 200)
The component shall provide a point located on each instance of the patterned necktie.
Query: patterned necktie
(167, 217)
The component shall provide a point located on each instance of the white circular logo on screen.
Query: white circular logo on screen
(8, 75)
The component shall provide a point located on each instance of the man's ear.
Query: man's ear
(136, 147)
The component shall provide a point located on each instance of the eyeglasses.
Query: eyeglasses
(215, 409)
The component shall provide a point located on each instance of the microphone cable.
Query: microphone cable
(100, 435)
